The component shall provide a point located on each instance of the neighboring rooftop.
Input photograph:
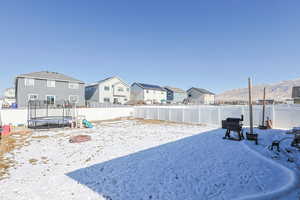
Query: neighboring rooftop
(106, 79)
(201, 90)
(49, 76)
(149, 87)
(173, 89)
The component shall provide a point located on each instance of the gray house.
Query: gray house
(50, 86)
(175, 95)
(296, 94)
(200, 96)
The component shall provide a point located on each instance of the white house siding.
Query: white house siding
(113, 93)
(155, 96)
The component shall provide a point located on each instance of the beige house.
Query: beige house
(200, 96)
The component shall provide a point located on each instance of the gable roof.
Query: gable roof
(149, 87)
(106, 79)
(173, 89)
(201, 90)
(49, 76)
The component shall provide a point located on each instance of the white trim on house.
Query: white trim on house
(29, 82)
(51, 83)
(74, 86)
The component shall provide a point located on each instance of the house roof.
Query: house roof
(173, 89)
(149, 87)
(106, 79)
(49, 76)
(201, 90)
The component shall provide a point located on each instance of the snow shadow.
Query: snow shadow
(202, 166)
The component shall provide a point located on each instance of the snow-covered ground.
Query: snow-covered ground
(133, 160)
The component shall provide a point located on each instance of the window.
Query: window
(32, 97)
(107, 100)
(127, 89)
(50, 99)
(73, 85)
(51, 84)
(120, 89)
(29, 82)
(73, 98)
(106, 88)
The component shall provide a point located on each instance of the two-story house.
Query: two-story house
(200, 96)
(175, 95)
(147, 93)
(48, 86)
(110, 90)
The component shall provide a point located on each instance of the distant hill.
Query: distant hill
(277, 91)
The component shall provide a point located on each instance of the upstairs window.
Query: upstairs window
(106, 88)
(120, 89)
(107, 100)
(29, 82)
(73, 85)
(50, 84)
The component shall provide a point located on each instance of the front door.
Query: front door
(116, 100)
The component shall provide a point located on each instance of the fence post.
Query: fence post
(199, 115)
(219, 115)
(158, 113)
(182, 114)
(273, 115)
(169, 114)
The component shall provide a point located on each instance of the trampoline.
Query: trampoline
(46, 115)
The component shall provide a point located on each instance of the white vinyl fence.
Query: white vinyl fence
(283, 116)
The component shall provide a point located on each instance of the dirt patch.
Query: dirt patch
(111, 120)
(161, 122)
(40, 137)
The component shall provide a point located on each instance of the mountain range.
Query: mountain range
(277, 91)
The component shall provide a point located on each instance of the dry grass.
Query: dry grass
(111, 120)
(9, 143)
(33, 161)
(40, 137)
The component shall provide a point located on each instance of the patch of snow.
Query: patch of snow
(133, 160)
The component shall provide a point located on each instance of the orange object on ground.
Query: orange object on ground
(6, 130)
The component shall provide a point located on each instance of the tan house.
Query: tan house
(200, 96)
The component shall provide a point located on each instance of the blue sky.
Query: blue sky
(210, 44)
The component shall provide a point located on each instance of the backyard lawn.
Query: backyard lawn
(144, 159)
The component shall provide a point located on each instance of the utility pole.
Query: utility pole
(264, 108)
(250, 105)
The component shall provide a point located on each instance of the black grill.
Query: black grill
(233, 124)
